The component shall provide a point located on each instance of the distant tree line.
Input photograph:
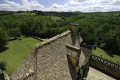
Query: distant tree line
(65, 14)
(101, 29)
(13, 25)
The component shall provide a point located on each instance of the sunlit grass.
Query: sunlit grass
(16, 53)
(100, 52)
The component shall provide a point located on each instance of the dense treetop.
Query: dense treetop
(101, 29)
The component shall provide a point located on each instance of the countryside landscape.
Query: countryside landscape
(21, 30)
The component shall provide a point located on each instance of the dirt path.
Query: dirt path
(94, 74)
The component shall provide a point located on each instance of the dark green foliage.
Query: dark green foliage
(101, 29)
(21, 23)
(3, 65)
(3, 38)
(80, 74)
(2, 13)
(33, 25)
(14, 32)
(60, 14)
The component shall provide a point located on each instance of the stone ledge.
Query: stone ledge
(39, 45)
(105, 62)
(73, 48)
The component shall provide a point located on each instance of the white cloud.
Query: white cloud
(95, 5)
(73, 2)
(57, 7)
(105, 1)
(81, 0)
(10, 5)
(26, 5)
(71, 5)
(31, 5)
(76, 2)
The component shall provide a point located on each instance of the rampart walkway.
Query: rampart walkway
(94, 74)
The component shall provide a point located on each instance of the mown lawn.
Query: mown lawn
(113, 58)
(17, 51)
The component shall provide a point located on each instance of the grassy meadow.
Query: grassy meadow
(111, 57)
(55, 18)
(16, 51)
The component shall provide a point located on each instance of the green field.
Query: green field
(111, 57)
(55, 18)
(17, 51)
(25, 14)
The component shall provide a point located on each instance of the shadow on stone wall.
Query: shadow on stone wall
(104, 72)
(105, 66)
(71, 69)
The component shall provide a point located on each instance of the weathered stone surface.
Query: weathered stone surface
(105, 65)
(49, 60)
(82, 59)
(95, 74)
(25, 68)
(52, 61)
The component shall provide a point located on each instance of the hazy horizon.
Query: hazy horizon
(61, 5)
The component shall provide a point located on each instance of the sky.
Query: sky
(61, 5)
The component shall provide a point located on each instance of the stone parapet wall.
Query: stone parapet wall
(49, 60)
(58, 58)
(47, 42)
(31, 62)
(105, 65)
(52, 59)
(25, 69)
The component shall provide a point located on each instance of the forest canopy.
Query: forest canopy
(101, 29)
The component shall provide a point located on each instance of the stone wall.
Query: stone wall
(58, 58)
(105, 65)
(52, 60)
(25, 69)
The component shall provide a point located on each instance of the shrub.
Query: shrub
(3, 38)
(3, 65)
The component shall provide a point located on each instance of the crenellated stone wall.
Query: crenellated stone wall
(105, 65)
(58, 58)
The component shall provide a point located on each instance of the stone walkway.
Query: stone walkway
(94, 74)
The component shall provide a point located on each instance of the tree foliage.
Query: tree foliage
(3, 65)
(3, 38)
(101, 29)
